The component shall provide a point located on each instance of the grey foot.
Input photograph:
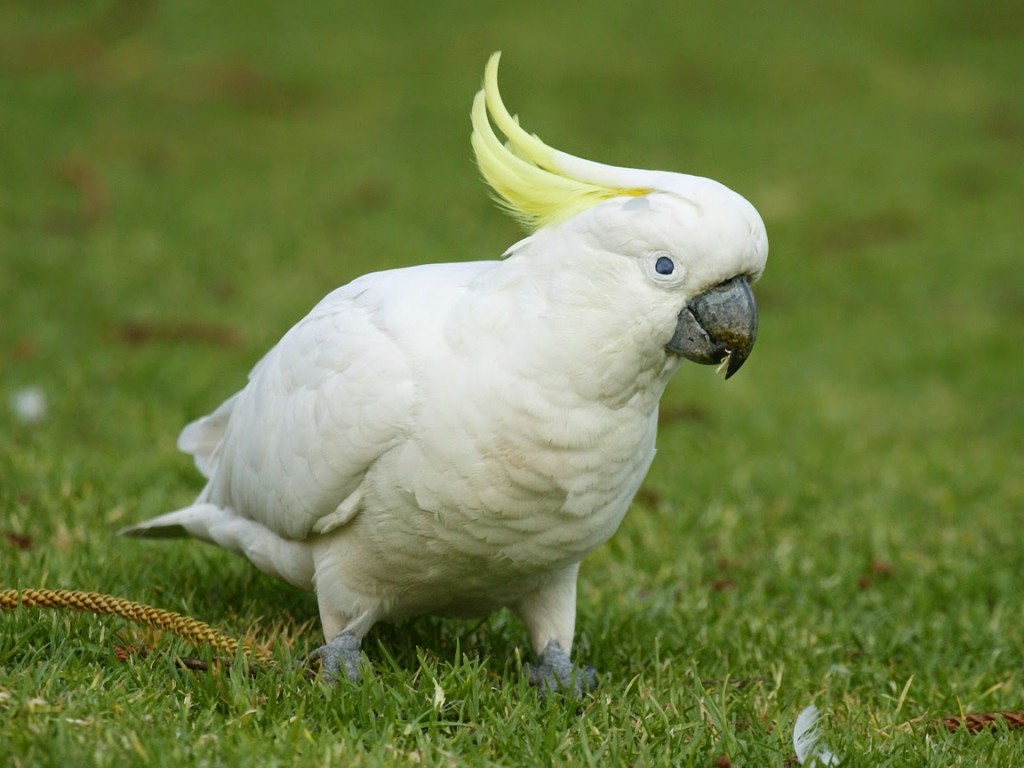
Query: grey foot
(341, 653)
(556, 673)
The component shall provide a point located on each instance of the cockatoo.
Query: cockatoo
(453, 439)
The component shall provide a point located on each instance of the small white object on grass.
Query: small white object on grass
(29, 405)
(807, 741)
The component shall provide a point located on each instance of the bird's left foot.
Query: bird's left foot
(556, 673)
(341, 656)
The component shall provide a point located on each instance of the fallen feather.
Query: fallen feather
(807, 740)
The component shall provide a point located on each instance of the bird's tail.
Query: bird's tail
(195, 521)
(284, 558)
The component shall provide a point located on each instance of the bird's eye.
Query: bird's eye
(664, 265)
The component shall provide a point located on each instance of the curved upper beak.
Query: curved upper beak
(720, 323)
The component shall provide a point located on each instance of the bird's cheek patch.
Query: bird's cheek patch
(637, 204)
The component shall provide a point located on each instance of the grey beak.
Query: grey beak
(720, 323)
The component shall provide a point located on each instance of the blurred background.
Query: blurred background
(180, 182)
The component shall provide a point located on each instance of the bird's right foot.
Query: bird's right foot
(341, 656)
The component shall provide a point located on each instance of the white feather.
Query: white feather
(807, 741)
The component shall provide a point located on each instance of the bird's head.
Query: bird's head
(687, 247)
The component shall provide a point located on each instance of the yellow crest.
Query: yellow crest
(530, 179)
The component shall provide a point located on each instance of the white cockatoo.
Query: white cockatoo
(453, 439)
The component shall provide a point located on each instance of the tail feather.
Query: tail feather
(194, 521)
(284, 558)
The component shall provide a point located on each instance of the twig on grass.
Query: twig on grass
(980, 721)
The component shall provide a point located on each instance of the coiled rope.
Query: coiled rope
(194, 631)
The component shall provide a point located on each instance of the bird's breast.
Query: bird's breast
(480, 510)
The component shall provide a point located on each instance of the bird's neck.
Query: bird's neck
(574, 337)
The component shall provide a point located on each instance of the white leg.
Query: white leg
(345, 619)
(550, 616)
(550, 613)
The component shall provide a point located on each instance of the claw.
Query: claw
(555, 673)
(341, 652)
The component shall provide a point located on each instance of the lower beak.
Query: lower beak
(720, 323)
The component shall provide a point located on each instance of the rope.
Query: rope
(194, 631)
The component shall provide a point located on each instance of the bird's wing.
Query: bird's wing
(202, 438)
(336, 393)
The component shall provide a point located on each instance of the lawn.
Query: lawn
(839, 524)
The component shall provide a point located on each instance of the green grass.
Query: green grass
(839, 524)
